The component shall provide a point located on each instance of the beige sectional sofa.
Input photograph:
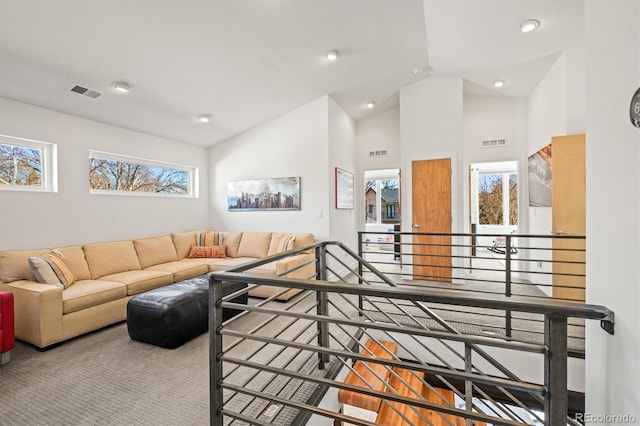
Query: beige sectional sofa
(106, 275)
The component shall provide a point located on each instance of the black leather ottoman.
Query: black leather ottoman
(172, 315)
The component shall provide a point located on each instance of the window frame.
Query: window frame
(192, 171)
(49, 164)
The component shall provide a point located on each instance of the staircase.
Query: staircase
(395, 381)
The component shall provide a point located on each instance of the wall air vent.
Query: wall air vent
(85, 91)
(378, 153)
(494, 143)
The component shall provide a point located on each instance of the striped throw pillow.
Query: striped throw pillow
(285, 243)
(209, 239)
(52, 268)
(207, 251)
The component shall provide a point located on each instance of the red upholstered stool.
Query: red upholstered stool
(7, 337)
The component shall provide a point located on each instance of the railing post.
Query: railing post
(360, 300)
(555, 370)
(468, 385)
(322, 307)
(507, 282)
(215, 352)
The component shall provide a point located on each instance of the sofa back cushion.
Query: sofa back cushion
(232, 242)
(76, 261)
(303, 240)
(155, 250)
(111, 258)
(254, 244)
(14, 264)
(183, 242)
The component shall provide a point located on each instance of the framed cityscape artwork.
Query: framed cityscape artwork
(264, 194)
(344, 189)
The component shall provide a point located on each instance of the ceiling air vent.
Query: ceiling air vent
(494, 143)
(379, 153)
(85, 91)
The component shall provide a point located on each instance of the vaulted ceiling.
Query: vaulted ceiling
(247, 61)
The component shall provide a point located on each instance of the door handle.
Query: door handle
(417, 226)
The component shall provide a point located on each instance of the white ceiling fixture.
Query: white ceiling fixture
(370, 104)
(418, 70)
(332, 55)
(498, 84)
(529, 25)
(204, 118)
(121, 86)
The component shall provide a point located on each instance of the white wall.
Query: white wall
(73, 216)
(613, 198)
(376, 132)
(293, 144)
(490, 117)
(342, 148)
(556, 107)
(431, 128)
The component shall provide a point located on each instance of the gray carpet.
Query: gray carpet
(105, 378)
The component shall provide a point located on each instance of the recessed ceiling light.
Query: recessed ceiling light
(498, 83)
(333, 55)
(529, 25)
(418, 70)
(121, 86)
(370, 104)
(204, 118)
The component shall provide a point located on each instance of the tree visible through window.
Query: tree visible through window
(20, 166)
(111, 174)
(493, 208)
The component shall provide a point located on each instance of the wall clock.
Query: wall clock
(634, 109)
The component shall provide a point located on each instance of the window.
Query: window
(112, 173)
(27, 165)
(495, 205)
(382, 196)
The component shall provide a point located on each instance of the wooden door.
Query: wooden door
(568, 195)
(431, 199)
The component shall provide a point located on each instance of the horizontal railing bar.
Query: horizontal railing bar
(461, 234)
(487, 380)
(523, 304)
(487, 341)
(370, 392)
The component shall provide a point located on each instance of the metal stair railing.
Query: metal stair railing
(366, 326)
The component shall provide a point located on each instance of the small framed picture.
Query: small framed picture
(344, 189)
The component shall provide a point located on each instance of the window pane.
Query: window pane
(20, 166)
(513, 199)
(390, 199)
(371, 201)
(490, 199)
(116, 175)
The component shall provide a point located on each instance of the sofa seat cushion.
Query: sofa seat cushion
(88, 293)
(228, 262)
(182, 269)
(268, 269)
(139, 281)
